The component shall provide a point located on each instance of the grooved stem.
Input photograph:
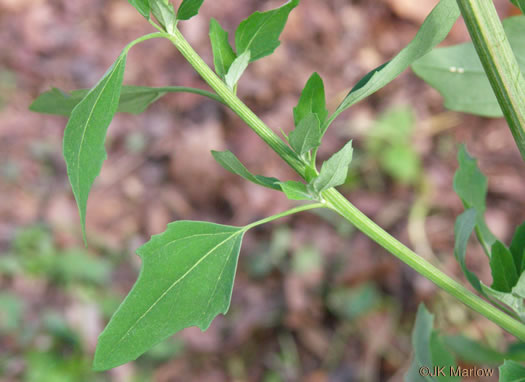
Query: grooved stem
(341, 205)
(499, 62)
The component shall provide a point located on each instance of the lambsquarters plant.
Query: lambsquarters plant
(188, 271)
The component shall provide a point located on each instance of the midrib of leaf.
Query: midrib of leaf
(222, 57)
(222, 60)
(331, 177)
(180, 278)
(95, 104)
(507, 279)
(191, 237)
(256, 33)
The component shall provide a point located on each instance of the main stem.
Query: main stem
(499, 62)
(341, 205)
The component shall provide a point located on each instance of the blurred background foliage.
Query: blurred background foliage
(314, 300)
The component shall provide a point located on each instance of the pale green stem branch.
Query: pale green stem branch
(234, 102)
(337, 202)
(285, 213)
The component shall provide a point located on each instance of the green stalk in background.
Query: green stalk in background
(499, 62)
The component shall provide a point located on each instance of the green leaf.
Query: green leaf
(429, 350)
(504, 273)
(296, 190)
(237, 68)
(421, 344)
(133, 99)
(401, 162)
(471, 186)
(86, 132)
(230, 162)
(511, 371)
(312, 100)
(260, 32)
(441, 357)
(512, 300)
(463, 228)
(421, 335)
(520, 4)
(334, 170)
(186, 280)
(472, 351)
(165, 14)
(517, 248)
(389, 141)
(58, 102)
(519, 288)
(307, 135)
(142, 6)
(223, 54)
(456, 72)
(188, 9)
(432, 32)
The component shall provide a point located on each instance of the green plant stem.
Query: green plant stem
(143, 38)
(341, 205)
(285, 213)
(234, 102)
(499, 62)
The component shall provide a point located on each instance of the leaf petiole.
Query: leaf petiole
(285, 213)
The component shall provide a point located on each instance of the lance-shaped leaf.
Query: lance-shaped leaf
(237, 68)
(312, 100)
(334, 170)
(223, 54)
(434, 29)
(133, 99)
(471, 186)
(504, 273)
(442, 358)
(86, 132)
(164, 13)
(142, 6)
(186, 280)
(230, 162)
(511, 371)
(188, 9)
(517, 248)
(260, 32)
(428, 349)
(296, 190)
(307, 134)
(463, 228)
(473, 352)
(456, 72)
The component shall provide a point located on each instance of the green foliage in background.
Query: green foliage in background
(456, 72)
(389, 141)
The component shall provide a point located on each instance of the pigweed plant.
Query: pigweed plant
(188, 271)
